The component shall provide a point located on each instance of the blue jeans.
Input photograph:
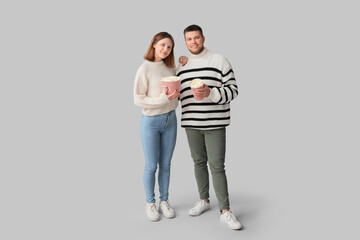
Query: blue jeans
(158, 137)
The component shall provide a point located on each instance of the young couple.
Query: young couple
(205, 121)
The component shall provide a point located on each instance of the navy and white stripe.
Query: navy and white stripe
(212, 112)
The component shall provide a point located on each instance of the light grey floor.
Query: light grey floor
(71, 159)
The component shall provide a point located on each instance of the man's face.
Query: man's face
(194, 42)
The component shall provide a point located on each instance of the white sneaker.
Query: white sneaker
(230, 220)
(152, 212)
(164, 208)
(200, 207)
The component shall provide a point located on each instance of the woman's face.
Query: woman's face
(162, 49)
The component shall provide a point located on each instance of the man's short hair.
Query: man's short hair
(192, 28)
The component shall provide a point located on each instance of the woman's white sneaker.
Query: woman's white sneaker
(152, 213)
(200, 207)
(230, 220)
(164, 208)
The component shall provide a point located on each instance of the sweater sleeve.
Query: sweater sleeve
(141, 98)
(228, 90)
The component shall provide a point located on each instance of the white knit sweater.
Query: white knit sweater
(216, 72)
(147, 88)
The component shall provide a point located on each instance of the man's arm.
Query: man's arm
(229, 90)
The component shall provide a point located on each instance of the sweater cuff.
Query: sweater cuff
(164, 98)
(214, 95)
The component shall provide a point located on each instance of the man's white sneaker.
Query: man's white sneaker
(152, 212)
(164, 208)
(230, 220)
(200, 207)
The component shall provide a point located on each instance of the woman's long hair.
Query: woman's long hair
(150, 53)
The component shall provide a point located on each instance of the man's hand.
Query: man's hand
(202, 92)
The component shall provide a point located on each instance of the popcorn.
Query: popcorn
(171, 83)
(170, 79)
(196, 83)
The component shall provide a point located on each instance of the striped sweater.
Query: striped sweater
(216, 72)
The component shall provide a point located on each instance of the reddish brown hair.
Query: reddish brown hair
(150, 53)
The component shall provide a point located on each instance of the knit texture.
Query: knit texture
(214, 111)
(147, 88)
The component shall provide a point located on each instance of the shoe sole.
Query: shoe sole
(167, 216)
(236, 228)
(154, 219)
(230, 226)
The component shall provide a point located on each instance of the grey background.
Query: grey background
(71, 157)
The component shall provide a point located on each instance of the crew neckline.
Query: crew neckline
(200, 55)
(155, 63)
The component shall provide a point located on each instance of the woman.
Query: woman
(158, 124)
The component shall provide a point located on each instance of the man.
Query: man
(205, 120)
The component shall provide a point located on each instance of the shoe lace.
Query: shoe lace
(153, 208)
(166, 205)
(230, 217)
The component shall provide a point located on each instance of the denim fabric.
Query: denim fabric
(158, 136)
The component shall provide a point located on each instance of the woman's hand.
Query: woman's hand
(183, 60)
(173, 95)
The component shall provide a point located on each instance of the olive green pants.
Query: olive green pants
(208, 146)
